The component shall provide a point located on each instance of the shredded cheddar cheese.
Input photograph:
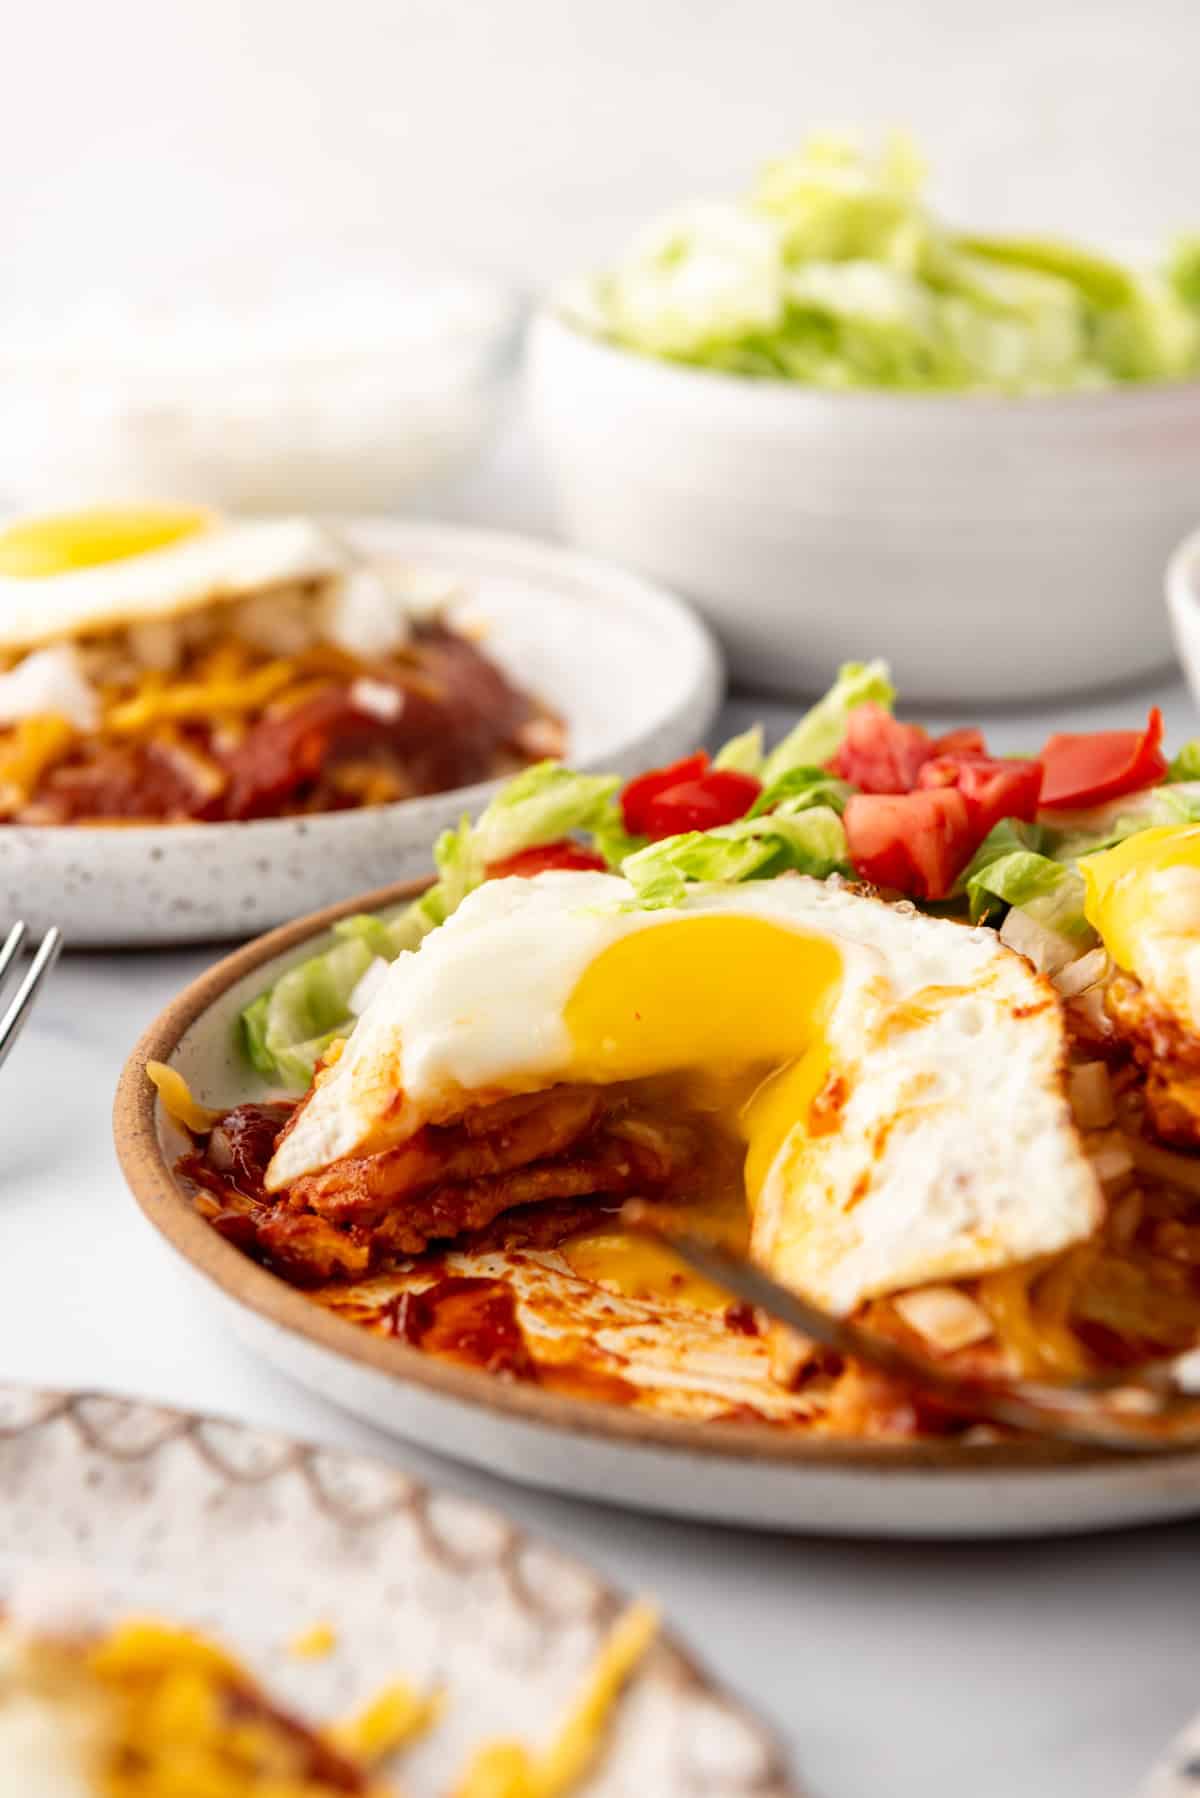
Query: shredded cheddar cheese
(186, 1721)
(177, 1101)
(165, 1712)
(313, 1643)
(200, 699)
(1005, 1297)
(27, 750)
(509, 1770)
(390, 1720)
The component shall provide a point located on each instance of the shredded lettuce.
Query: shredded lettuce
(286, 1030)
(819, 734)
(540, 805)
(813, 842)
(1009, 869)
(834, 271)
(744, 754)
(800, 789)
(1186, 765)
(1073, 834)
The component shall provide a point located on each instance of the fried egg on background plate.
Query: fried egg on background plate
(140, 570)
(906, 1119)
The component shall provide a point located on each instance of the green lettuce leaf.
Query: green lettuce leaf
(1186, 765)
(1049, 891)
(1072, 834)
(538, 806)
(744, 754)
(819, 734)
(286, 1030)
(801, 788)
(813, 842)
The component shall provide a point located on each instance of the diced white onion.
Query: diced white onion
(49, 680)
(1046, 949)
(377, 698)
(365, 614)
(1090, 1092)
(369, 984)
(155, 643)
(1089, 1012)
(1111, 1159)
(283, 623)
(1085, 971)
(946, 1317)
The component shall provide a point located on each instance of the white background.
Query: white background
(155, 136)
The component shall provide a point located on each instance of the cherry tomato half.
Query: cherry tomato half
(916, 842)
(546, 856)
(719, 796)
(638, 794)
(1092, 766)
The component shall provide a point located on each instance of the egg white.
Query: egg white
(953, 1150)
(229, 560)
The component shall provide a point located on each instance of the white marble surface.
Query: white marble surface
(1052, 1670)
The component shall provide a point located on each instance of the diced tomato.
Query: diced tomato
(966, 741)
(1089, 767)
(718, 797)
(638, 794)
(878, 753)
(993, 789)
(563, 854)
(917, 842)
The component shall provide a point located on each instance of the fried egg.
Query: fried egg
(100, 570)
(1143, 897)
(897, 1080)
(133, 568)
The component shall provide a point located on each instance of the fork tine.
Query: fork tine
(22, 1000)
(1138, 1408)
(12, 948)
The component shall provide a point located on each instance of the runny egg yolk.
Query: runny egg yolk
(1127, 897)
(36, 548)
(735, 1005)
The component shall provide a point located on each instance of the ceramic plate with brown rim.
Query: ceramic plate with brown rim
(660, 1406)
(338, 1577)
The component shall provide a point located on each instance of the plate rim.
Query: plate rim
(710, 681)
(158, 1193)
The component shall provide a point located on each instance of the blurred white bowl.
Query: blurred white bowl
(1183, 604)
(350, 397)
(993, 549)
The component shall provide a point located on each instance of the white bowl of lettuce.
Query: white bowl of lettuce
(832, 420)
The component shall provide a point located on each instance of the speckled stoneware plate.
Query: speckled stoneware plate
(636, 677)
(258, 1538)
(677, 1447)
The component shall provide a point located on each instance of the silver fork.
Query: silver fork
(21, 1004)
(1155, 1405)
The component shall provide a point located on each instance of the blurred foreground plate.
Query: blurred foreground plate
(257, 1539)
